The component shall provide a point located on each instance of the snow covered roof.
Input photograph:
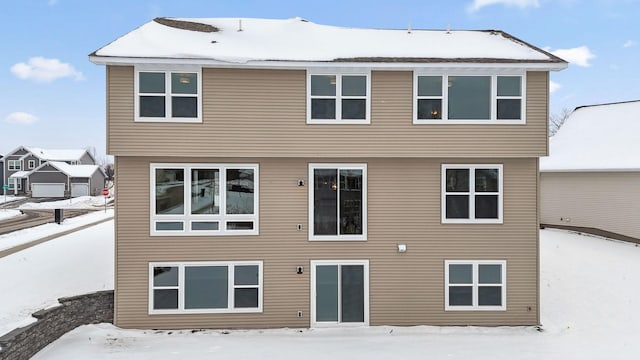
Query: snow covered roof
(57, 154)
(19, 174)
(246, 41)
(597, 138)
(80, 171)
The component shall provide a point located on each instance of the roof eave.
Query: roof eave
(376, 63)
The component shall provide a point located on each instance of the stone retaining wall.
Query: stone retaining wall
(23, 343)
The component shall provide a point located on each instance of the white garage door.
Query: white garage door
(47, 190)
(79, 190)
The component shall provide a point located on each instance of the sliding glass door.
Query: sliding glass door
(340, 293)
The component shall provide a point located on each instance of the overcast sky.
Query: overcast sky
(52, 96)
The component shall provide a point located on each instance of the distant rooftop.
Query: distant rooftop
(602, 137)
(57, 154)
(242, 41)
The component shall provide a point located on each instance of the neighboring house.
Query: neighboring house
(278, 173)
(52, 172)
(2, 180)
(591, 179)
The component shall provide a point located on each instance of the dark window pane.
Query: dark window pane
(429, 109)
(204, 225)
(205, 287)
(165, 276)
(354, 85)
(490, 274)
(354, 109)
(457, 180)
(246, 298)
(327, 293)
(323, 85)
(509, 109)
(184, 107)
(509, 86)
(352, 277)
(350, 202)
(460, 296)
(457, 207)
(184, 83)
(246, 275)
(205, 191)
(460, 274)
(152, 106)
(469, 97)
(489, 296)
(325, 202)
(169, 191)
(486, 206)
(151, 82)
(169, 225)
(240, 194)
(165, 299)
(240, 225)
(323, 108)
(487, 180)
(429, 85)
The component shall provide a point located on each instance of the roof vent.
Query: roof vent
(186, 25)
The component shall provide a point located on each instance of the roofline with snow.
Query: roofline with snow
(374, 63)
(604, 104)
(599, 170)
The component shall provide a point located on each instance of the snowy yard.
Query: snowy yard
(9, 198)
(590, 310)
(80, 202)
(9, 213)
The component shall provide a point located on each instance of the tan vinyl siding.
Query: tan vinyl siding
(608, 201)
(404, 207)
(262, 113)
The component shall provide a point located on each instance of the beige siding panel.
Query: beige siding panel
(404, 207)
(261, 113)
(604, 200)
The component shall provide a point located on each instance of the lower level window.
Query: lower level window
(475, 285)
(205, 287)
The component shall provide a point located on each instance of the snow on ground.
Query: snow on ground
(37, 232)
(80, 202)
(34, 278)
(590, 302)
(9, 198)
(9, 213)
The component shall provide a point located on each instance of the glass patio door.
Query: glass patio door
(340, 293)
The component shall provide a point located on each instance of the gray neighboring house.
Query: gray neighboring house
(52, 172)
(591, 179)
(2, 169)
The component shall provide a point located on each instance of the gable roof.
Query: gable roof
(57, 154)
(245, 41)
(597, 138)
(80, 171)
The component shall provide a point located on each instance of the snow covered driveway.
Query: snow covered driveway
(590, 291)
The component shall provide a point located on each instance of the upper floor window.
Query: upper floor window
(468, 99)
(338, 98)
(168, 95)
(337, 202)
(31, 164)
(471, 193)
(14, 165)
(204, 199)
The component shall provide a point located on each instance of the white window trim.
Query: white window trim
(475, 285)
(31, 164)
(167, 70)
(339, 97)
(16, 181)
(181, 287)
(471, 193)
(14, 165)
(339, 166)
(187, 218)
(494, 97)
(313, 264)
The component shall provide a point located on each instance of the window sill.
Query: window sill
(339, 122)
(338, 238)
(468, 122)
(477, 308)
(468, 221)
(169, 120)
(205, 311)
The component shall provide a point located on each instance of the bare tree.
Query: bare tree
(109, 170)
(556, 120)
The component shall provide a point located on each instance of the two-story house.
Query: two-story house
(52, 172)
(278, 173)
